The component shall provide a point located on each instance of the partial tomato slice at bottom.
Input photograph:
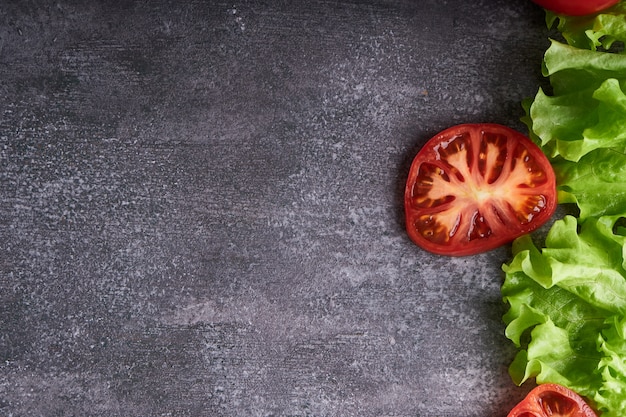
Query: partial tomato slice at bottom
(474, 187)
(552, 400)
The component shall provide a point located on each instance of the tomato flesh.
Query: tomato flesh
(475, 187)
(552, 400)
(576, 7)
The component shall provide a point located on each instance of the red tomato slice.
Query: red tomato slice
(475, 187)
(552, 400)
(576, 7)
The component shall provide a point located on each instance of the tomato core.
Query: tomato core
(474, 187)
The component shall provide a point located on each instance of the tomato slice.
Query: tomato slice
(474, 187)
(552, 400)
(576, 7)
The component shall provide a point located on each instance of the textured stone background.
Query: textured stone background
(200, 206)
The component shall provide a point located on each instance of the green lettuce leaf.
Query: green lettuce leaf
(572, 70)
(587, 107)
(593, 31)
(596, 183)
(567, 308)
(612, 366)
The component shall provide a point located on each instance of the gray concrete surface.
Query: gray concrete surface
(200, 206)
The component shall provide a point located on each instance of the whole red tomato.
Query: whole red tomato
(576, 7)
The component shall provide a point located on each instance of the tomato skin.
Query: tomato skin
(576, 7)
(552, 400)
(475, 187)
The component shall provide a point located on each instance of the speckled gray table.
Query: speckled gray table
(200, 206)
